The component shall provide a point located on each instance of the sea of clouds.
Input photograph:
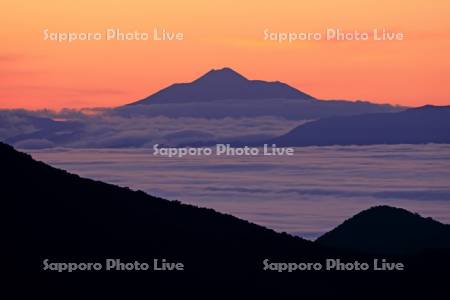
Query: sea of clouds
(103, 128)
(306, 194)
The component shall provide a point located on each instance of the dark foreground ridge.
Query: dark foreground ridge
(388, 230)
(65, 218)
(427, 124)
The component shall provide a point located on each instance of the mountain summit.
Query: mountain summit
(388, 230)
(221, 76)
(223, 84)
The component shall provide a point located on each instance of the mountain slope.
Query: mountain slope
(221, 85)
(59, 213)
(427, 124)
(388, 230)
(65, 218)
(225, 93)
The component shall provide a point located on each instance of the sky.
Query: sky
(37, 73)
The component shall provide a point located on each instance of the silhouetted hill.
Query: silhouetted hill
(223, 84)
(388, 230)
(427, 124)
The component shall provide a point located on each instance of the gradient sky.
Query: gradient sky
(42, 74)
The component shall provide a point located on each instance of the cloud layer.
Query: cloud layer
(306, 194)
(104, 129)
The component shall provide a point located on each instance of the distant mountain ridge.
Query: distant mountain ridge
(224, 93)
(223, 84)
(427, 124)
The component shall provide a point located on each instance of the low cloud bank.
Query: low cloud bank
(99, 128)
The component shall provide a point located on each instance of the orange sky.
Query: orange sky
(46, 74)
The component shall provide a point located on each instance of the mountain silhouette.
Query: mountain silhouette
(427, 124)
(388, 230)
(64, 218)
(81, 215)
(223, 84)
(225, 93)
